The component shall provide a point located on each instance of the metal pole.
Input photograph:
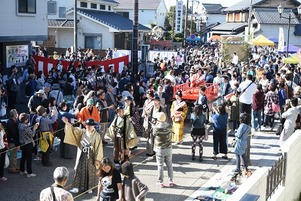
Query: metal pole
(173, 28)
(249, 21)
(134, 55)
(288, 34)
(185, 26)
(191, 18)
(75, 27)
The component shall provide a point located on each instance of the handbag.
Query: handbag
(6, 164)
(275, 107)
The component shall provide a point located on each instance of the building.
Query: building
(98, 25)
(264, 20)
(211, 15)
(23, 21)
(151, 12)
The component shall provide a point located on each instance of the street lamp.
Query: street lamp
(280, 11)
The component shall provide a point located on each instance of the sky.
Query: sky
(225, 3)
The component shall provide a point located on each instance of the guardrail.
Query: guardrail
(276, 176)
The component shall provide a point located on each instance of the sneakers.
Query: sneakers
(23, 173)
(31, 175)
(74, 190)
(90, 191)
(171, 184)
(160, 184)
(3, 179)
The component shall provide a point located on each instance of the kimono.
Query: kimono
(178, 111)
(91, 148)
(122, 132)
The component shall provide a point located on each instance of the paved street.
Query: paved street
(189, 175)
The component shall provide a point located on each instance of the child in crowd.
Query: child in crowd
(133, 189)
(242, 141)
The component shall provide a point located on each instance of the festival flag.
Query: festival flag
(281, 40)
(179, 16)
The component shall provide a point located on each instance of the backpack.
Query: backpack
(28, 89)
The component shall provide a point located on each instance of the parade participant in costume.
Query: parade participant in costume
(90, 111)
(123, 133)
(152, 118)
(178, 113)
(147, 106)
(56, 191)
(90, 144)
(45, 136)
(110, 184)
(162, 132)
(131, 110)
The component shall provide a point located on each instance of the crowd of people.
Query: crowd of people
(83, 105)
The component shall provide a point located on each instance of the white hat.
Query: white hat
(41, 91)
(161, 116)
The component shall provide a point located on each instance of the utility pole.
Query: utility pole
(191, 23)
(185, 26)
(75, 26)
(249, 21)
(134, 55)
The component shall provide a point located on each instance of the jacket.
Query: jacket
(163, 134)
(84, 114)
(258, 100)
(242, 139)
(12, 132)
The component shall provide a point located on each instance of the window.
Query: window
(27, 6)
(94, 42)
(237, 17)
(51, 7)
(83, 4)
(93, 5)
(109, 8)
(102, 7)
(62, 12)
(124, 14)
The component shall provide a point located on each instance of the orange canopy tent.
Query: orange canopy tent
(215, 37)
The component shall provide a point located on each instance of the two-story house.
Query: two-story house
(265, 19)
(211, 15)
(22, 21)
(98, 25)
(151, 12)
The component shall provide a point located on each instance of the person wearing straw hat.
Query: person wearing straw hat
(89, 141)
(163, 148)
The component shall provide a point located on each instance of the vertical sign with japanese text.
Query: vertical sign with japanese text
(179, 16)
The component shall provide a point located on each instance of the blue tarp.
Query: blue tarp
(291, 49)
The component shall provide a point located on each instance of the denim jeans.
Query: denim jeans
(164, 156)
(256, 114)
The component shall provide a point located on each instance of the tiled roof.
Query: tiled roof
(213, 8)
(229, 26)
(242, 5)
(61, 23)
(111, 1)
(143, 4)
(271, 16)
(111, 19)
